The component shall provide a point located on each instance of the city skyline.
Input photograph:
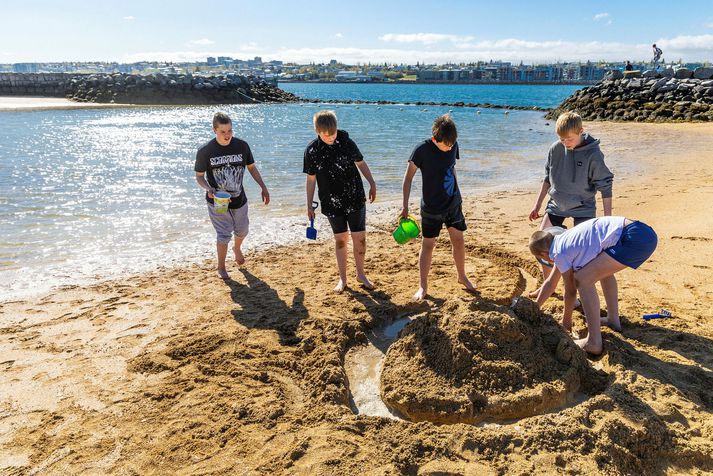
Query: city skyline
(369, 32)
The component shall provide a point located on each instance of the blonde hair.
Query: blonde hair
(568, 122)
(325, 121)
(540, 241)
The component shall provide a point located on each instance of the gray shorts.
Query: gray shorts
(235, 220)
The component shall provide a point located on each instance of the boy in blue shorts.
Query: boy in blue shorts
(332, 162)
(220, 165)
(441, 200)
(592, 251)
(574, 172)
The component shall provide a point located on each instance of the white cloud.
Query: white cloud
(129, 18)
(425, 38)
(201, 42)
(338, 36)
(709, 24)
(689, 48)
(600, 16)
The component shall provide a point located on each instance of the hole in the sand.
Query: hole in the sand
(477, 363)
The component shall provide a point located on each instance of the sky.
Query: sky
(364, 31)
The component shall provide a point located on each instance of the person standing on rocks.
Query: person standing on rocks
(628, 66)
(574, 172)
(657, 56)
(441, 202)
(220, 166)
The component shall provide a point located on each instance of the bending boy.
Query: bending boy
(220, 165)
(590, 252)
(574, 172)
(440, 201)
(332, 162)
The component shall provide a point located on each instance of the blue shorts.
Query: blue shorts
(233, 222)
(637, 243)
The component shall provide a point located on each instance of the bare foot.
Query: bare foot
(239, 258)
(589, 347)
(341, 286)
(420, 295)
(223, 274)
(466, 282)
(365, 281)
(534, 294)
(611, 322)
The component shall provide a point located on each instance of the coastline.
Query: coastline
(177, 371)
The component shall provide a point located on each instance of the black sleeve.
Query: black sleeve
(308, 163)
(354, 151)
(248, 155)
(201, 161)
(416, 157)
(457, 151)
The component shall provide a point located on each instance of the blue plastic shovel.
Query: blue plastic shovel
(311, 230)
(662, 314)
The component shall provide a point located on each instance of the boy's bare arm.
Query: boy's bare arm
(364, 168)
(309, 187)
(203, 183)
(408, 178)
(535, 212)
(570, 298)
(548, 287)
(252, 168)
(607, 205)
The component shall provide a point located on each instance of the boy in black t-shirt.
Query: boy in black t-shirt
(220, 166)
(441, 200)
(332, 162)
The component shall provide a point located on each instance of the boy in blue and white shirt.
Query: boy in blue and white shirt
(592, 251)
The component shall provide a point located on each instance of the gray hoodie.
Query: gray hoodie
(575, 176)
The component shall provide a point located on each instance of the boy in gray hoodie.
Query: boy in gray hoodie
(575, 171)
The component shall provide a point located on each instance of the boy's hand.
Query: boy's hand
(310, 212)
(265, 196)
(372, 193)
(535, 213)
(211, 193)
(404, 212)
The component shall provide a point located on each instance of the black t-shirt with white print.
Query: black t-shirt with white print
(224, 167)
(341, 190)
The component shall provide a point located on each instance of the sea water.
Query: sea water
(87, 195)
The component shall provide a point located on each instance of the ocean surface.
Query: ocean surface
(87, 195)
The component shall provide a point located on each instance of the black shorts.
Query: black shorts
(356, 221)
(431, 223)
(558, 220)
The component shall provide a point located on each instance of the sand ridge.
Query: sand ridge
(177, 372)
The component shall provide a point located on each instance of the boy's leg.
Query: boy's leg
(611, 297)
(359, 248)
(424, 266)
(223, 225)
(340, 248)
(222, 249)
(599, 268)
(458, 249)
(241, 226)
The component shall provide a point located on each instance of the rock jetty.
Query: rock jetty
(670, 96)
(160, 89)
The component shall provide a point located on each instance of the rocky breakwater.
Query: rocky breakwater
(161, 89)
(175, 89)
(671, 96)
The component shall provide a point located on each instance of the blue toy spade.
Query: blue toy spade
(311, 230)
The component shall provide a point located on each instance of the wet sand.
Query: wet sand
(176, 371)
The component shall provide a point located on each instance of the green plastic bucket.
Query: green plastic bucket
(221, 200)
(407, 230)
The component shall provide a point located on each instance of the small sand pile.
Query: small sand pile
(482, 362)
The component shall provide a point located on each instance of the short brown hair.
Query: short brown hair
(221, 118)
(325, 121)
(568, 122)
(540, 241)
(444, 130)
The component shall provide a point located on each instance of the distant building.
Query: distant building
(211, 61)
(26, 67)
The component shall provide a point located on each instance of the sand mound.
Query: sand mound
(482, 362)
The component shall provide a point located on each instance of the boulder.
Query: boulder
(650, 73)
(703, 73)
(682, 73)
(614, 74)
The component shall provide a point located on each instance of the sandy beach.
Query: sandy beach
(178, 372)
